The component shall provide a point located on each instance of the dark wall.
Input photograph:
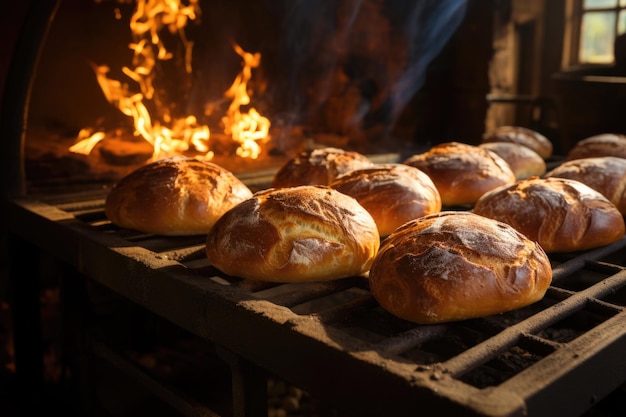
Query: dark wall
(11, 21)
(452, 104)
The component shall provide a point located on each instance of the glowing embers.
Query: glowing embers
(154, 118)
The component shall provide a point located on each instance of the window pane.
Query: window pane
(597, 37)
(621, 25)
(622, 2)
(596, 4)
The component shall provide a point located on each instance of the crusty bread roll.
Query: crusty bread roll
(318, 167)
(563, 215)
(606, 144)
(392, 193)
(457, 265)
(461, 172)
(294, 234)
(524, 162)
(605, 174)
(524, 136)
(175, 196)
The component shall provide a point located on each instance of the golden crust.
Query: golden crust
(524, 162)
(606, 144)
(318, 167)
(454, 266)
(294, 234)
(392, 193)
(524, 136)
(605, 174)
(174, 196)
(563, 215)
(461, 172)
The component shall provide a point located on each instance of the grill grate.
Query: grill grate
(332, 339)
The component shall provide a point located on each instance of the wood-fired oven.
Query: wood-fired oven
(148, 325)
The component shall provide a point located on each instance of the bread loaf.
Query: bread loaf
(522, 135)
(174, 196)
(606, 144)
(457, 265)
(392, 193)
(294, 234)
(563, 215)
(605, 174)
(524, 162)
(462, 173)
(318, 167)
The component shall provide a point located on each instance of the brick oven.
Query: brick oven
(144, 324)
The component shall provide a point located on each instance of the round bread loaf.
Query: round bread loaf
(524, 136)
(457, 265)
(318, 167)
(294, 234)
(392, 193)
(175, 196)
(563, 215)
(461, 172)
(606, 144)
(605, 174)
(524, 162)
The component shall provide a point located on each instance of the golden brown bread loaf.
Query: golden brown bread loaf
(524, 136)
(606, 144)
(457, 265)
(461, 172)
(605, 174)
(524, 162)
(392, 193)
(318, 167)
(294, 234)
(563, 215)
(174, 196)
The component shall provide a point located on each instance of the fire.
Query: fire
(172, 136)
(87, 141)
(247, 128)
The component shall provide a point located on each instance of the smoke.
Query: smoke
(352, 64)
(341, 67)
(429, 26)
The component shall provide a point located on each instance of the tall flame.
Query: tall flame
(182, 134)
(246, 128)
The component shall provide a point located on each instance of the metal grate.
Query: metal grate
(556, 357)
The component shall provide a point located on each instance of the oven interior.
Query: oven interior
(118, 322)
(116, 84)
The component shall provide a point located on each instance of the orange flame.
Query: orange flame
(183, 134)
(246, 128)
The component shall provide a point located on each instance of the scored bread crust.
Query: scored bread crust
(522, 135)
(457, 265)
(605, 144)
(174, 196)
(605, 174)
(294, 234)
(392, 193)
(524, 162)
(462, 172)
(318, 167)
(563, 215)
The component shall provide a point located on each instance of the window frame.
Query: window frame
(574, 12)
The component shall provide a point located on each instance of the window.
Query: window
(600, 22)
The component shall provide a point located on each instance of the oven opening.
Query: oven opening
(245, 84)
